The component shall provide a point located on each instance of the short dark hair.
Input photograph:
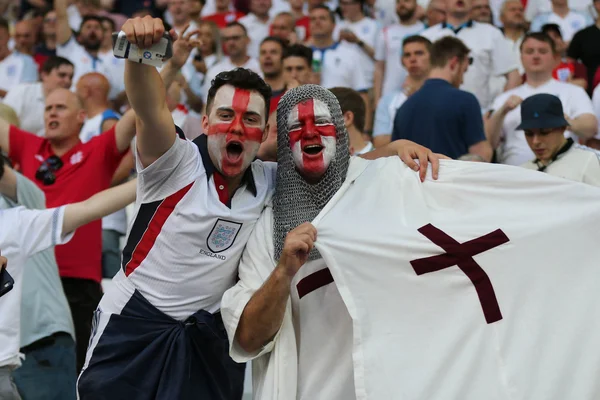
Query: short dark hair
(324, 7)
(540, 37)
(87, 18)
(547, 28)
(274, 39)
(235, 23)
(111, 22)
(446, 48)
(4, 24)
(298, 50)
(55, 62)
(241, 78)
(350, 100)
(418, 39)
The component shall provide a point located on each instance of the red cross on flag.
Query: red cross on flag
(484, 284)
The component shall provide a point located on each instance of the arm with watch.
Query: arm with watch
(350, 37)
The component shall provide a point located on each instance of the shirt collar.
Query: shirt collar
(468, 24)
(247, 179)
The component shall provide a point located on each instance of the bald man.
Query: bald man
(93, 89)
(25, 37)
(70, 171)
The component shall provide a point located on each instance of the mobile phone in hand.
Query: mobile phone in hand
(6, 282)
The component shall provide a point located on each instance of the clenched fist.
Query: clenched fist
(298, 244)
(145, 32)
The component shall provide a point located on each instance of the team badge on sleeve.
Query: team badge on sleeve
(222, 235)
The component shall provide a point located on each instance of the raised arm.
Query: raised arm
(147, 94)
(63, 30)
(4, 130)
(125, 130)
(98, 206)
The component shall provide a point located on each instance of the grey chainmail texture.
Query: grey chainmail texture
(297, 201)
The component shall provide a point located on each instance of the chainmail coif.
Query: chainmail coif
(296, 201)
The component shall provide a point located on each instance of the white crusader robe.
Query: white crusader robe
(426, 337)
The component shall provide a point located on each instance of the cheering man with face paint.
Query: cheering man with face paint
(158, 332)
(313, 162)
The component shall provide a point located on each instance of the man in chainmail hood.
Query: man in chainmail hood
(286, 313)
(302, 189)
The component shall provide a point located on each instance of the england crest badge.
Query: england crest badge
(222, 235)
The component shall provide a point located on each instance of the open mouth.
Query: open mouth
(53, 125)
(313, 149)
(234, 150)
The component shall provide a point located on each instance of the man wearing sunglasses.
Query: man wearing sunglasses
(544, 124)
(69, 171)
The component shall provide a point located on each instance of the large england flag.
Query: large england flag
(483, 285)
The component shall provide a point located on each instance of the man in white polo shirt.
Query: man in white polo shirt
(29, 99)
(197, 205)
(15, 67)
(538, 55)
(492, 55)
(336, 62)
(544, 124)
(257, 23)
(83, 50)
(389, 72)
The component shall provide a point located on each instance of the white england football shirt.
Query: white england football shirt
(569, 25)
(184, 246)
(22, 234)
(514, 147)
(339, 67)
(492, 55)
(85, 63)
(388, 48)
(17, 68)
(367, 30)
(257, 31)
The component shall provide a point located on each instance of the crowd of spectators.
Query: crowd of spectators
(447, 74)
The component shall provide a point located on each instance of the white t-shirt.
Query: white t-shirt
(339, 67)
(257, 31)
(388, 48)
(30, 232)
(579, 164)
(91, 128)
(515, 150)
(569, 25)
(27, 99)
(226, 65)
(367, 30)
(184, 246)
(492, 56)
(536, 7)
(85, 63)
(425, 330)
(386, 112)
(17, 68)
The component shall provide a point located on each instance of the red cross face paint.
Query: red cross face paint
(312, 137)
(235, 129)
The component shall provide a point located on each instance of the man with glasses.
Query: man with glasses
(440, 115)
(544, 124)
(69, 171)
(235, 40)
